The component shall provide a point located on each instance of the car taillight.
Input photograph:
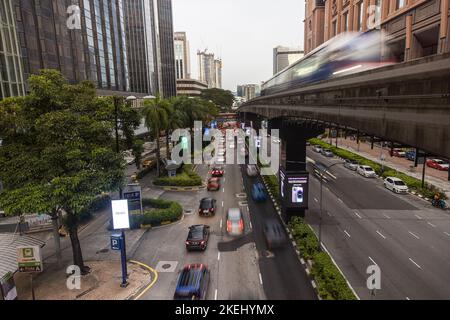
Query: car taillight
(203, 242)
(187, 242)
(241, 224)
(228, 226)
(211, 210)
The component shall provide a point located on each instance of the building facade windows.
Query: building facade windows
(400, 4)
(11, 69)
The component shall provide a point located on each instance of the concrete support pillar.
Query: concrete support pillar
(444, 32)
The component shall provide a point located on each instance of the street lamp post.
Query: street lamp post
(322, 174)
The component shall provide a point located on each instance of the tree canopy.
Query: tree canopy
(222, 98)
(58, 149)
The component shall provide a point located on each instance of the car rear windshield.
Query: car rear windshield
(234, 215)
(205, 204)
(196, 233)
(368, 169)
(399, 183)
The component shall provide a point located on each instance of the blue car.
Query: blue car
(259, 193)
(192, 283)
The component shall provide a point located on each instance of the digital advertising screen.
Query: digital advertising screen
(294, 189)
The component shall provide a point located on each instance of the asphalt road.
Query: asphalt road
(283, 275)
(234, 269)
(365, 224)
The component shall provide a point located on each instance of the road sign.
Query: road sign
(116, 241)
(133, 193)
(29, 259)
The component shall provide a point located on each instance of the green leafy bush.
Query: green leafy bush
(157, 211)
(186, 178)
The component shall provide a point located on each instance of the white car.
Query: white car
(252, 171)
(396, 185)
(317, 149)
(366, 171)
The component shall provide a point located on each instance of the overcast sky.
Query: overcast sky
(241, 32)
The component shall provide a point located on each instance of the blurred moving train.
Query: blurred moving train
(347, 53)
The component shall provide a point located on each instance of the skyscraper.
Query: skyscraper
(210, 69)
(283, 57)
(165, 24)
(11, 68)
(182, 56)
(142, 45)
(218, 73)
(206, 68)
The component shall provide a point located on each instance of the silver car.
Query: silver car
(252, 171)
(351, 164)
(235, 222)
(317, 149)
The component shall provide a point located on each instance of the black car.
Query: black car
(192, 283)
(274, 234)
(197, 238)
(207, 207)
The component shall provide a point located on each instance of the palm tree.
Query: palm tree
(176, 120)
(156, 119)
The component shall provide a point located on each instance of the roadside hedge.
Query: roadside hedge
(414, 184)
(156, 211)
(330, 282)
(186, 178)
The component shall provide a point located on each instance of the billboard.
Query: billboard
(133, 193)
(294, 188)
(120, 216)
(29, 259)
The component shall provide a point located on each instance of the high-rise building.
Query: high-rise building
(95, 50)
(190, 87)
(141, 39)
(210, 69)
(218, 73)
(11, 68)
(248, 91)
(415, 28)
(284, 56)
(206, 68)
(166, 46)
(182, 56)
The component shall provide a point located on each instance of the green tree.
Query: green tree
(222, 98)
(156, 119)
(58, 151)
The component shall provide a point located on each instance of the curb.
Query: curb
(181, 189)
(140, 292)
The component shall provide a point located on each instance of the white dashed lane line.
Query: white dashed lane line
(415, 263)
(373, 261)
(348, 234)
(260, 279)
(429, 223)
(316, 200)
(357, 214)
(414, 235)
(215, 294)
(447, 234)
(386, 216)
(381, 235)
(218, 256)
(418, 217)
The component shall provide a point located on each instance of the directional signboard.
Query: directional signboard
(133, 193)
(29, 259)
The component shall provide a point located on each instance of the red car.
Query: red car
(217, 172)
(213, 184)
(438, 164)
(398, 153)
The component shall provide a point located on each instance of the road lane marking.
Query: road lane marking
(331, 175)
(447, 234)
(414, 235)
(340, 200)
(373, 261)
(223, 190)
(308, 159)
(357, 214)
(381, 235)
(221, 221)
(407, 298)
(316, 200)
(218, 256)
(434, 226)
(224, 179)
(222, 204)
(260, 278)
(386, 216)
(418, 217)
(348, 234)
(155, 278)
(215, 294)
(328, 213)
(415, 263)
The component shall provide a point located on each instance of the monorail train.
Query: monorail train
(344, 54)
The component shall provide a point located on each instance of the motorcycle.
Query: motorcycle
(439, 203)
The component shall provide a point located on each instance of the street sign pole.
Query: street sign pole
(123, 253)
(32, 287)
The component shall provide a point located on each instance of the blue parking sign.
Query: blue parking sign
(116, 242)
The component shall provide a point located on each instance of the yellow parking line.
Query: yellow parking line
(152, 283)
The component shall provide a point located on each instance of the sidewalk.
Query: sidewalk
(103, 283)
(432, 176)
